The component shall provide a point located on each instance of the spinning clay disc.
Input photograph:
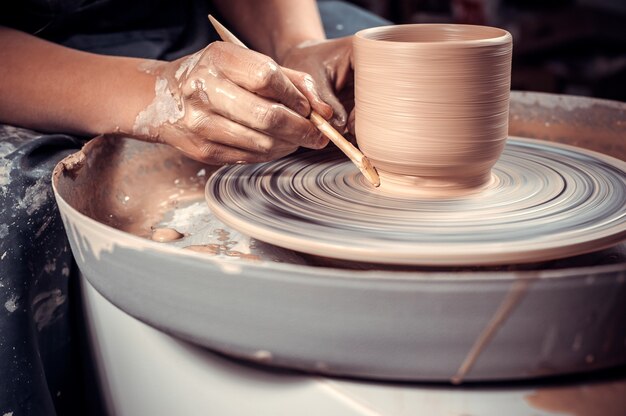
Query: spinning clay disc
(545, 201)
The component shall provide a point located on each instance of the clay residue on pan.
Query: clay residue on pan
(210, 249)
(505, 309)
(166, 234)
(432, 104)
(224, 247)
(606, 399)
(129, 184)
(153, 191)
(72, 164)
(218, 249)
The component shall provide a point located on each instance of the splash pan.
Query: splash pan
(278, 307)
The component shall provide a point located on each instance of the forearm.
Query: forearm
(274, 26)
(48, 87)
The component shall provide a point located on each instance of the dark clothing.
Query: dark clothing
(39, 339)
(157, 29)
(35, 266)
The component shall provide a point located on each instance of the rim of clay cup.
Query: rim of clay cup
(482, 35)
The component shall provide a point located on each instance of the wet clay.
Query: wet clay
(165, 235)
(606, 399)
(432, 105)
(217, 249)
(148, 180)
(167, 105)
(508, 305)
(224, 247)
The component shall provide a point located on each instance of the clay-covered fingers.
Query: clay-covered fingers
(255, 112)
(306, 84)
(230, 133)
(219, 154)
(227, 104)
(219, 150)
(259, 74)
(329, 64)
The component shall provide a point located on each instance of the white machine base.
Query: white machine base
(143, 371)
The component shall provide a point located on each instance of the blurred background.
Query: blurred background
(560, 46)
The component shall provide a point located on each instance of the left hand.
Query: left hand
(329, 62)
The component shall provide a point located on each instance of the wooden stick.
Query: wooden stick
(358, 158)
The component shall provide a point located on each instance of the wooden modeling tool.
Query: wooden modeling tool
(358, 158)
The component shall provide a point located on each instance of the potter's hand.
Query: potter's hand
(329, 63)
(226, 104)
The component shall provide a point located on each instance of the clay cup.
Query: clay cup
(432, 105)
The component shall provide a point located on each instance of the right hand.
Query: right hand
(226, 104)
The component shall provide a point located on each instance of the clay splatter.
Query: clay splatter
(46, 306)
(11, 304)
(35, 196)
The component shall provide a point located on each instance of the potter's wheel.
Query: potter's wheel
(562, 317)
(545, 201)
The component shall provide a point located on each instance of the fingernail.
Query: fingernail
(328, 111)
(338, 121)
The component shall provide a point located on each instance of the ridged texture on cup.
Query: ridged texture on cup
(432, 103)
